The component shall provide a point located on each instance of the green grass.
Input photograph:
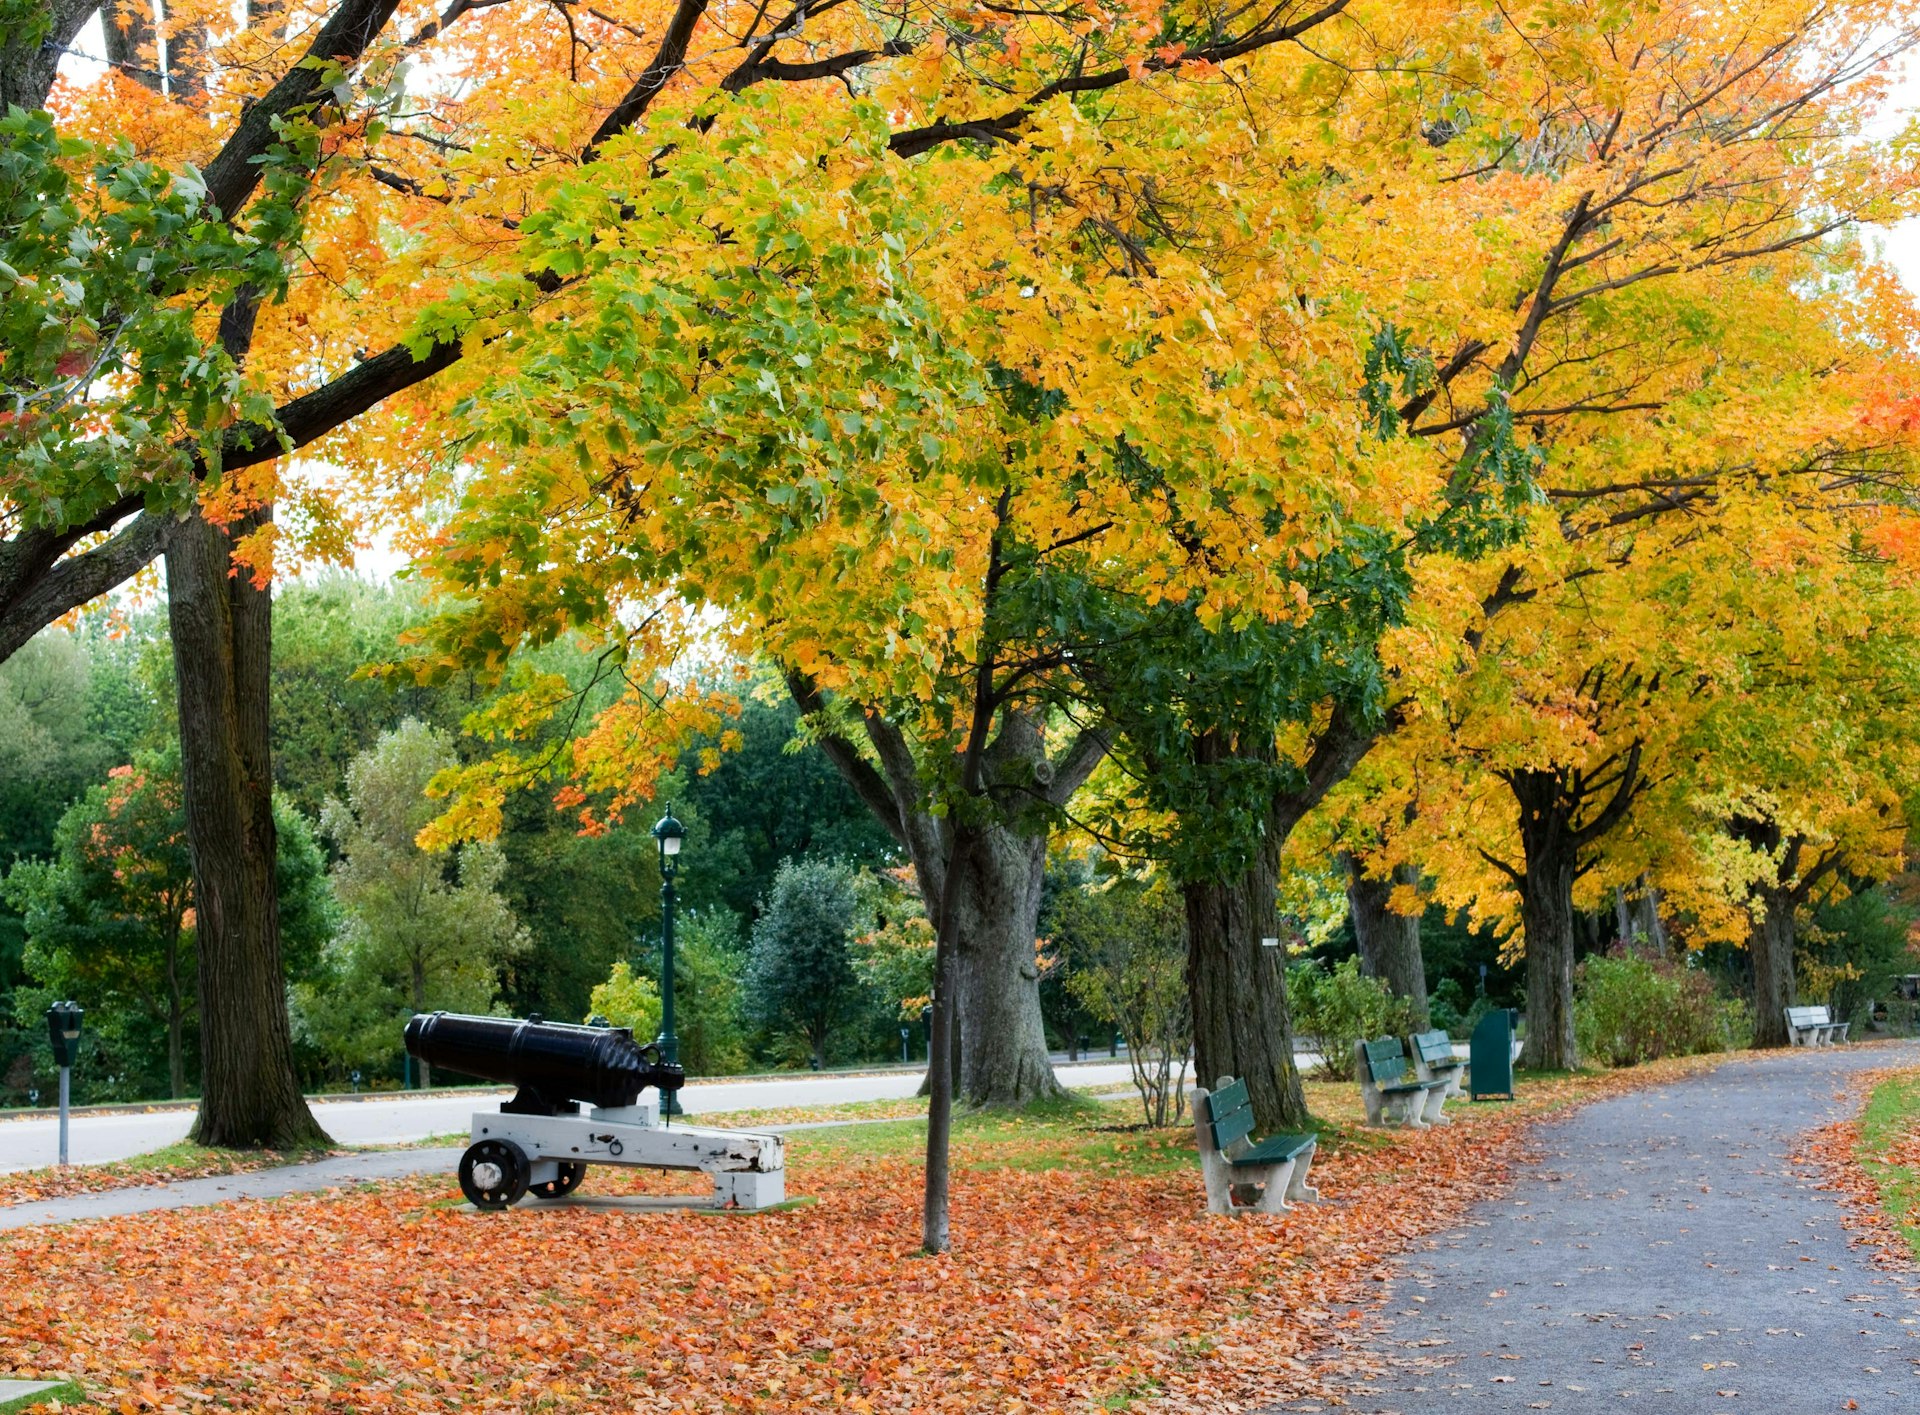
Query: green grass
(1893, 1113)
(66, 1392)
(1075, 1132)
(187, 1155)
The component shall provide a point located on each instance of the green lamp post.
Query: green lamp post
(669, 832)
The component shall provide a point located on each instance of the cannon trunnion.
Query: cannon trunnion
(540, 1143)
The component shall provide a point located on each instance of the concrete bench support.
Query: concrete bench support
(1388, 1091)
(1269, 1175)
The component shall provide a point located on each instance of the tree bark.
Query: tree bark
(30, 49)
(1238, 987)
(222, 641)
(1003, 1045)
(1650, 905)
(1770, 943)
(1552, 855)
(1389, 941)
(131, 41)
(998, 1045)
(1547, 918)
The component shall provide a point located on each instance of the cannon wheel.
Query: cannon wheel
(571, 1173)
(494, 1173)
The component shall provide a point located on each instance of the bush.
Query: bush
(1126, 949)
(1334, 1009)
(708, 961)
(1447, 1008)
(628, 999)
(1628, 1009)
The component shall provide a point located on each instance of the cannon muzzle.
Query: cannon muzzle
(553, 1063)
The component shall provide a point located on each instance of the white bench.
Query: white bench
(1278, 1166)
(1389, 1091)
(1814, 1027)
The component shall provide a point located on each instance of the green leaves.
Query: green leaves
(106, 382)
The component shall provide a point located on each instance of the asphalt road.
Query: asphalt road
(98, 1139)
(1666, 1258)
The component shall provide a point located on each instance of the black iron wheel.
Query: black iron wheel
(571, 1173)
(494, 1173)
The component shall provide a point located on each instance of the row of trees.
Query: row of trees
(96, 891)
(81, 710)
(1153, 417)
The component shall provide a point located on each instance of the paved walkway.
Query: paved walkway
(1663, 1258)
(220, 1188)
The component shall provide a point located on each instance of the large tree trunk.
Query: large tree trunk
(1547, 917)
(1770, 942)
(1003, 1046)
(1552, 855)
(1650, 911)
(222, 641)
(1389, 941)
(1238, 988)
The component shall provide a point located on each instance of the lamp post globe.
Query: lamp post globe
(669, 833)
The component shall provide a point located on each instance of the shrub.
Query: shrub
(1447, 1008)
(629, 999)
(1334, 1009)
(1628, 1008)
(1126, 948)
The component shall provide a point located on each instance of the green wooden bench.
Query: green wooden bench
(1433, 1059)
(1230, 1159)
(1390, 1091)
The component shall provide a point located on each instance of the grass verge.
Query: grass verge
(1889, 1152)
(169, 1165)
(66, 1393)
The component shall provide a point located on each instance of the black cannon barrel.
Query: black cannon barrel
(551, 1062)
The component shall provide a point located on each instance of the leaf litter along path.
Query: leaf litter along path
(1667, 1253)
(1085, 1276)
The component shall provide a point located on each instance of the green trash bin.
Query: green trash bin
(1490, 1056)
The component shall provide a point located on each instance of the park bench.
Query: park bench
(1390, 1091)
(1814, 1027)
(1433, 1059)
(1230, 1159)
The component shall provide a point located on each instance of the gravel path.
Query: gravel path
(1663, 1257)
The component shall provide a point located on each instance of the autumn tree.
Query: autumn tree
(110, 915)
(1799, 785)
(323, 130)
(1646, 389)
(423, 929)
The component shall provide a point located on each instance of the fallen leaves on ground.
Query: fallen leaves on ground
(169, 1166)
(1873, 1162)
(1084, 1271)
